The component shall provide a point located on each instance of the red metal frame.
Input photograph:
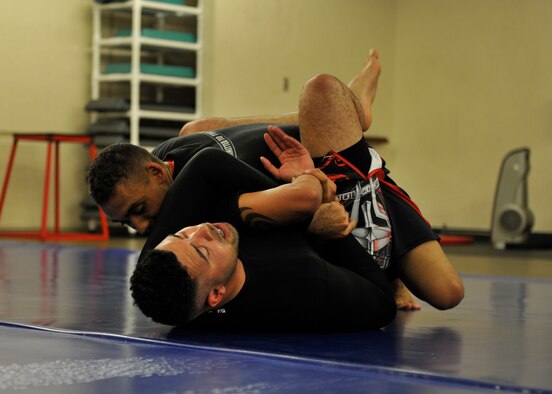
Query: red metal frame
(44, 233)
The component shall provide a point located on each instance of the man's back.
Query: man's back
(244, 142)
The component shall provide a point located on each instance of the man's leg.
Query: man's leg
(207, 124)
(363, 86)
(428, 273)
(333, 115)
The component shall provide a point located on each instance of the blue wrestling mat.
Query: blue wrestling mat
(68, 326)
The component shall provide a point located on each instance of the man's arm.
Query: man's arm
(207, 124)
(213, 178)
(331, 220)
(288, 203)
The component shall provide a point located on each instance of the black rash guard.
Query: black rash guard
(244, 142)
(291, 283)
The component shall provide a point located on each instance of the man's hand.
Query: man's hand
(328, 186)
(331, 221)
(293, 156)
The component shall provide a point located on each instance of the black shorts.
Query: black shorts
(360, 173)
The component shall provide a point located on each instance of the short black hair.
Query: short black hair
(116, 163)
(163, 289)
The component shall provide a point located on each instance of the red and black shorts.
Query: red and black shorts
(389, 223)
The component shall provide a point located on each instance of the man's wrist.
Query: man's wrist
(306, 172)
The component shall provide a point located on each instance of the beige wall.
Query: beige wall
(44, 78)
(473, 82)
(463, 82)
(256, 44)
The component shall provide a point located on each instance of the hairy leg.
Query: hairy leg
(328, 115)
(427, 272)
(333, 115)
(364, 85)
(206, 124)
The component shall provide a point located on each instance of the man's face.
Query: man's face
(136, 203)
(208, 251)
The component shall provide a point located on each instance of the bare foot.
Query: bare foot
(365, 85)
(403, 298)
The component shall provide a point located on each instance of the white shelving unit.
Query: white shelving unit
(136, 47)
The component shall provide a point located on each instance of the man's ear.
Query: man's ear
(215, 297)
(156, 171)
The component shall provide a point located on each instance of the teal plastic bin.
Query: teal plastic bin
(179, 2)
(160, 34)
(156, 69)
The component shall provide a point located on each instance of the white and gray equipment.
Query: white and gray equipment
(512, 220)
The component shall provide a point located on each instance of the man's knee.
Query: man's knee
(322, 84)
(433, 278)
(444, 295)
(451, 296)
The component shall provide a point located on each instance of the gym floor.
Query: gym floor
(68, 326)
